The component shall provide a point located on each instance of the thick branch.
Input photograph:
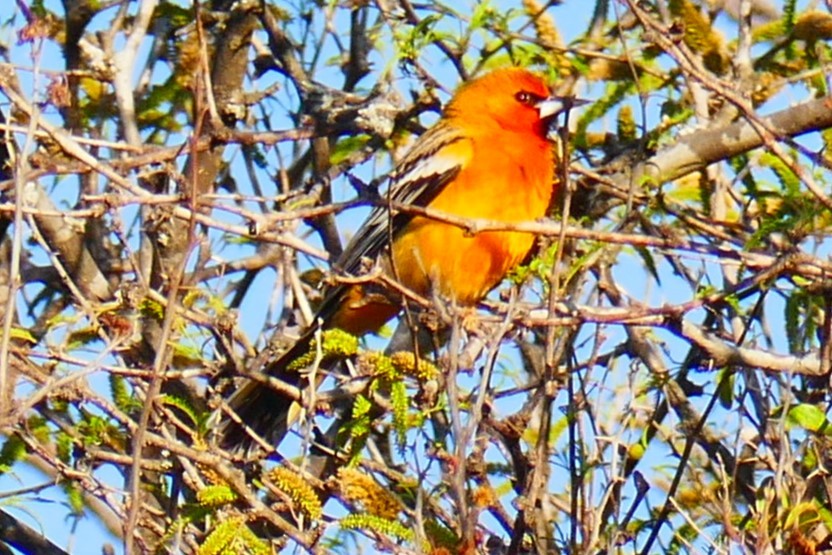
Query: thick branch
(25, 538)
(725, 354)
(701, 148)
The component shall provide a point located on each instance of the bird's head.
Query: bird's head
(512, 99)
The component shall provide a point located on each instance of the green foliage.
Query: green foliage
(539, 267)
(174, 14)
(38, 8)
(233, 537)
(186, 355)
(217, 495)
(411, 41)
(802, 313)
(206, 301)
(614, 94)
(359, 424)
(825, 514)
(39, 428)
(302, 494)
(122, 397)
(75, 498)
(152, 309)
(788, 180)
(809, 417)
(559, 426)
(391, 376)
(82, 337)
(378, 525)
(154, 112)
(336, 344)
(725, 390)
(347, 147)
(13, 451)
(97, 430)
(626, 124)
(700, 35)
(789, 210)
(789, 15)
(401, 403)
(22, 334)
(441, 536)
(198, 419)
(682, 536)
(63, 447)
(483, 16)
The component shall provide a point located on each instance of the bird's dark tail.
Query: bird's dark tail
(262, 411)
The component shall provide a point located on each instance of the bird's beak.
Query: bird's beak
(550, 107)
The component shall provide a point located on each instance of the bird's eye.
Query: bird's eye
(527, 98)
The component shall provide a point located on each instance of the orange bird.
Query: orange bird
(487, 157)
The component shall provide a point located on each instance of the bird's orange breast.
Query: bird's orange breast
(513, 186)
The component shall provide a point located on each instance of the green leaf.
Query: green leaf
(63, 447)
(183, 405)
(75, 498)
(360, 421)
(787, 178)
(122, 396)
(649, 263)
(23, 335)
(346, 147)
(482, 15)
(13, 450)
(726, 388)
(808, 417)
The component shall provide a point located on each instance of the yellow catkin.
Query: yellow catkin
(483, 497)
(440, 536)
(211, 476)
(361, 488)
(700, 36)
(766, 85)
(298, 489)
(406, 363)
(626, 124)
(544, 25)
(221, 539)
(187, 59)
(233, 536)
(377, 364)
(548, 35)
(377, 524)
(335, 343)
(813, 26)
(216, 496)
(601, 69)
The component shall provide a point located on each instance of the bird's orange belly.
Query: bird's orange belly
(434, 257)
